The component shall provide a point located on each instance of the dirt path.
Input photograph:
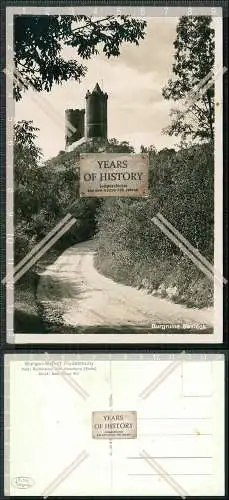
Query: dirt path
(87, 298)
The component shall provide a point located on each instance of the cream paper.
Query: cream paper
(175, 403)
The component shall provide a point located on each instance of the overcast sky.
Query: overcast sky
(137, 111)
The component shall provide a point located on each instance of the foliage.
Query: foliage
(71, 158)
(194, 61)
(39, 43)
(45, 192)
(41, 195)
(133, 250)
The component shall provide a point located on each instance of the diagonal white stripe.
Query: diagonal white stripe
(186, 242)
(199, 256)
(200, 89)
(75, 385)
(65, 473)
(159, 379)
(18, 78)
(42, 102)
(44, 250)
(164, 474)
(38, 246)
(170, 235)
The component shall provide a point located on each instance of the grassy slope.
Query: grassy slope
(132, 250)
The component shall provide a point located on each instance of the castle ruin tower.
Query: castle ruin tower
(96, 114)
(74, 125)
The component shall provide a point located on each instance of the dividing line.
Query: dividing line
(165, 458)
(174, 418)
(181, 474)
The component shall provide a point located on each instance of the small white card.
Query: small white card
(113, 174)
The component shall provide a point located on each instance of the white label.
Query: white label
(112, 174)
(114, 425)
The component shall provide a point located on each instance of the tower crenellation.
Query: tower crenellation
(74, 125)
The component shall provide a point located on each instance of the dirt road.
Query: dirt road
(84, 297)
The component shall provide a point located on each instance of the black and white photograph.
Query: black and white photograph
(114, 174)
(149, 425)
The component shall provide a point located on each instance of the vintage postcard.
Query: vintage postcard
(114, 175)
(94, 425)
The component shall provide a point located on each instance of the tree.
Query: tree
(39, 42)
(151, 150)
(45, 192)
(25, 147)
(27, 156)
(194, 61)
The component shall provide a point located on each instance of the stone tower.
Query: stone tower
(74, 118)
(96, 114)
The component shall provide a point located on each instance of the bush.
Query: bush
(132, 249)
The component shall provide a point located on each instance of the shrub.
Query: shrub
(132, 249)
